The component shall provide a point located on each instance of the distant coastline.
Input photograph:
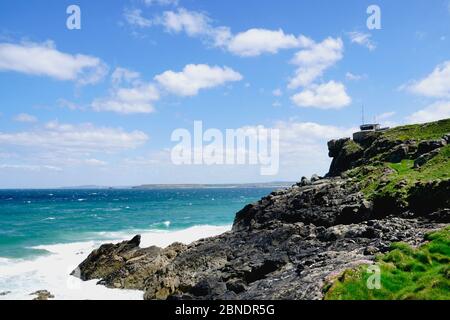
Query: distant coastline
(274, 184)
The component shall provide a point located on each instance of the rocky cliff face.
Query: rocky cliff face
(291, 243)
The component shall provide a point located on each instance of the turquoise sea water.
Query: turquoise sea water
(31, 218)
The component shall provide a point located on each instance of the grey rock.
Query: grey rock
(42, 295)
(430, 145)
(423, 159)
(289, 244)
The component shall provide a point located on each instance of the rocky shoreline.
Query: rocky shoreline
(288, 245)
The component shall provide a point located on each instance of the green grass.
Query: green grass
(403, 167)
(384, 180)
(419, 132)
(406, 274)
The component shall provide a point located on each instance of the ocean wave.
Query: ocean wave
(52, 272)
(49, 218)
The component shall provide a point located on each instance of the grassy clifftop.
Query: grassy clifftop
(419, 132)
(404, 167)
(406, 273)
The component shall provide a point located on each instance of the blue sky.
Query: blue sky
(98, 105)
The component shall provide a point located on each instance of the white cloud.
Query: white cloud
(45, 60)
(25, 117)
(386, 115)
(193, 23)
(255, 42)
(137, 99)
(69, 138)
(277, 92)
(161, 2)
(354, 77)
(276, 104)
(196, 77)
(30, 167)
(436, 111)
(435, 85)
(331, 95)
(63, 103)
(129, 94)
(314, 60)
(134, 17)
(303, 146)
(363, 39)
(95, 162)
(121, 75)
(249, 43)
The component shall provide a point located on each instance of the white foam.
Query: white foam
(52, 272)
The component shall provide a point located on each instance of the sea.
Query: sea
(45, 234)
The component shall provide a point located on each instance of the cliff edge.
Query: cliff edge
(391, 187)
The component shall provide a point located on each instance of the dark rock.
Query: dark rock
(371, 250)
(447, 138)
(236, 285)
(398, 154)
(209, 288)
(345, 154)
(290, 243)
(42, 295)
(423, 159)
(430, 145)
(335, 147)
(304, 182)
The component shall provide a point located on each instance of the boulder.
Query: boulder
(423, 159)
(42, 295)
(430, 145)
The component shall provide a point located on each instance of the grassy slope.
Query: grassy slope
(394, 180)
(406, 273)
(427, 131)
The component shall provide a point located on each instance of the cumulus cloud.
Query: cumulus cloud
(138, 99)
(134, 17)
(363, 39)
(193, 23)
(436, 111)
(70, 138)
(193, 78)
(43, 59)
(255, 42)
(123, 75)
(303, 146)
(25, 117)
(249, 43)
(435, 85)
(331, 95)
(129, 94)
(314, 60)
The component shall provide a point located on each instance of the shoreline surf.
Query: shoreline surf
(21, 277)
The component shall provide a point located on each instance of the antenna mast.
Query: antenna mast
(362, 114)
